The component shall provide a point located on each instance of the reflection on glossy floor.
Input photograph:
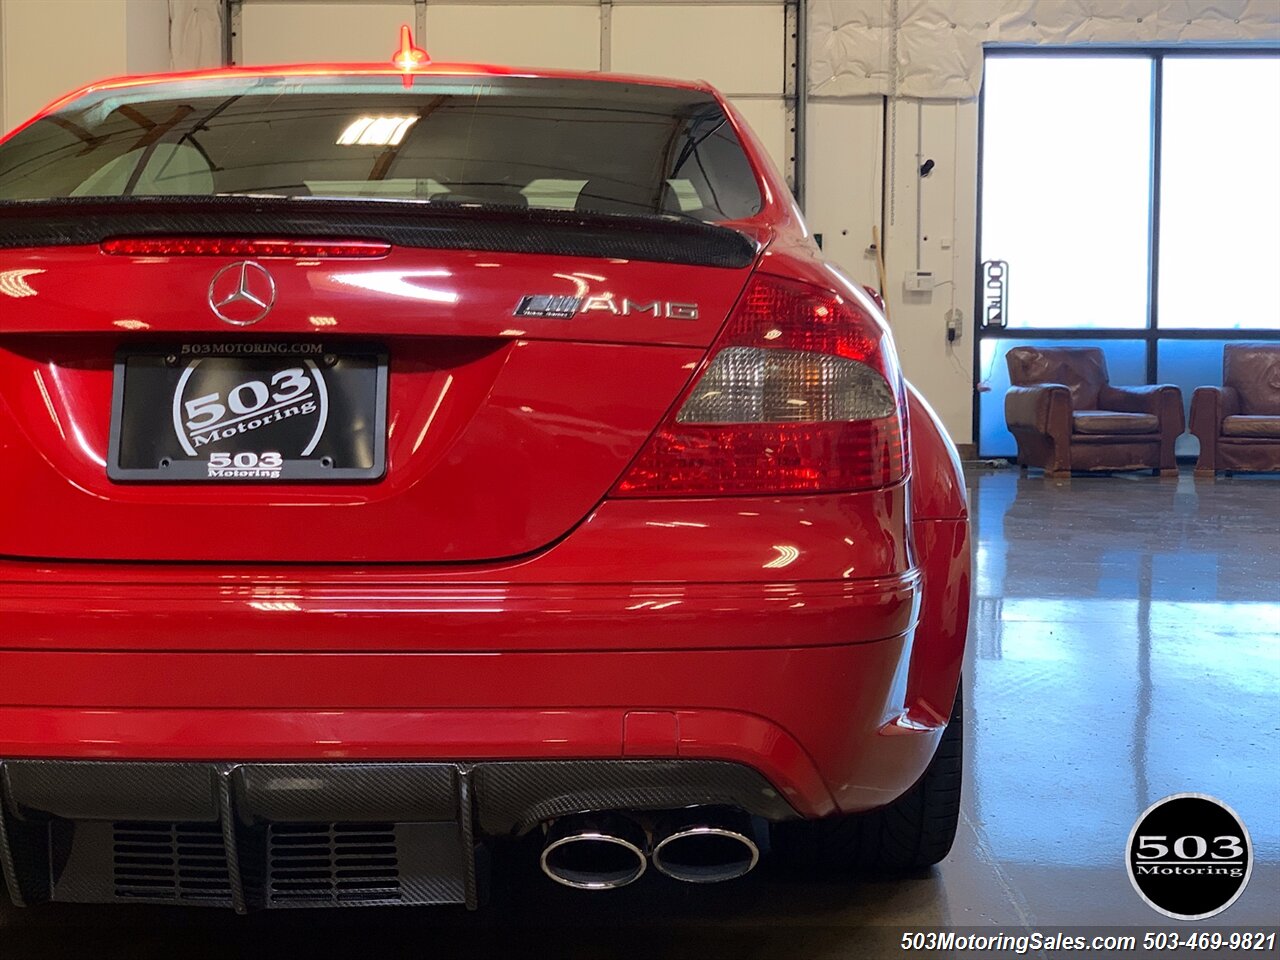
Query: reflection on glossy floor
(1126, 646)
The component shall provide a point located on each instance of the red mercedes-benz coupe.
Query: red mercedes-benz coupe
(398, 459)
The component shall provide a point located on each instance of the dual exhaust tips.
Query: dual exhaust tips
(606, 851)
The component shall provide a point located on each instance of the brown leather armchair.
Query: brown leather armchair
(1066, 416)
(1238, 423)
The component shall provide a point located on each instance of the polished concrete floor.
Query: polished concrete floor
(1126, 646)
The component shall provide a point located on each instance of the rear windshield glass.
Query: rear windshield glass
(594, 146)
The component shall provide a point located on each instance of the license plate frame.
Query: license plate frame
(348, 379)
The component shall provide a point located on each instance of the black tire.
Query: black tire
(913, 832)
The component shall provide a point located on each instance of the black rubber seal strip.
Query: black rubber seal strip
(72, 221)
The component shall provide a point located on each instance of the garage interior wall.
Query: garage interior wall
(891, 83)
(48, 47)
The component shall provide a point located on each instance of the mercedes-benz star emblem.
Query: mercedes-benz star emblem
(242, 293)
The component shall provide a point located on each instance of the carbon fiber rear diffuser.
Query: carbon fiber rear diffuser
(282, 835)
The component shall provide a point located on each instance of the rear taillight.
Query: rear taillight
(801, 395)
(243, 247)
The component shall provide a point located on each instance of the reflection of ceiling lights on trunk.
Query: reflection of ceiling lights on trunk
(376, 131)
(13, 283)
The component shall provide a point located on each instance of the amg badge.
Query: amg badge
(564, 307)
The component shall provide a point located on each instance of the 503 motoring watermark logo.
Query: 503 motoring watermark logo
(1189, 856)
(227, 412)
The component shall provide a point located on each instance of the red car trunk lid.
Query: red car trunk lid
(504, 427)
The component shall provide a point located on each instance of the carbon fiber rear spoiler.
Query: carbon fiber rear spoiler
(439, 225)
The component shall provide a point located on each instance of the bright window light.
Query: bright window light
(1066, 187)
(376, 131)
(1220, 194)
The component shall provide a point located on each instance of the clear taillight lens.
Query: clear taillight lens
(802, 395)
(759, 385)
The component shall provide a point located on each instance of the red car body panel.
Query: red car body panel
(815, 638)
(519, 423)
(487, 427)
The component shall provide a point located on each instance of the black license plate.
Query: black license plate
(250, 411)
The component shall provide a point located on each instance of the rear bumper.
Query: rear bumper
(828, 726)
(193, 804)
(817, 649)
(777, 632)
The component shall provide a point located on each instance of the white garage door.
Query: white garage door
(744, 48)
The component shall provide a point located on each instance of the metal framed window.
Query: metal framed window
(1118, 144)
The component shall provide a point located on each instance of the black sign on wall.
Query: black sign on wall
(995, 293)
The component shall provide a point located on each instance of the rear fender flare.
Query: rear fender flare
(940, 531)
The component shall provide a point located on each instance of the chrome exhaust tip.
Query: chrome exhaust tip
(707, 846)
(594, 852)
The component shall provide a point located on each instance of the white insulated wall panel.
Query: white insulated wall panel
(938, 43)
(195, 34)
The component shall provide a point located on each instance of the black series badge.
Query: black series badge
(1189, 856)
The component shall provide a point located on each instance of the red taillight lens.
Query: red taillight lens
(243, 247)
(801, 395)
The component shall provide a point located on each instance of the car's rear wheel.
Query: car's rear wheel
(914, 831)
